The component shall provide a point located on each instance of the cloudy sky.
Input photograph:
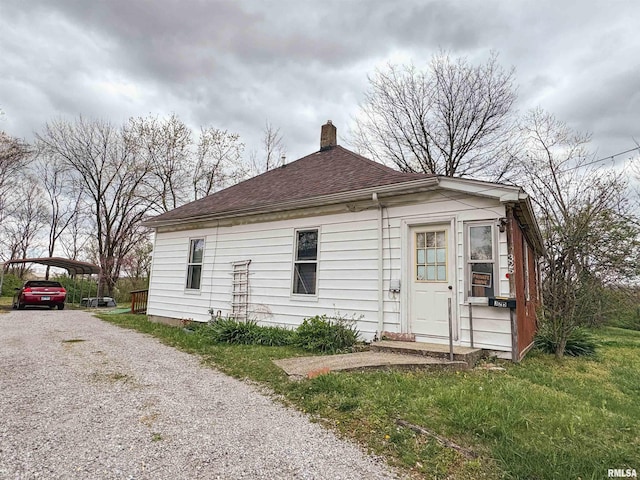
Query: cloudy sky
(235, 64)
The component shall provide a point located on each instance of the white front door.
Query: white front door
(432, 267)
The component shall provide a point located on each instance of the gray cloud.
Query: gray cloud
(234, 64)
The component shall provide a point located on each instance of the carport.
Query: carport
(73, 267)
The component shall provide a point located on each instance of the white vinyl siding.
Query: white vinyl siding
(347, 269)
(492, 326)
(346, 273)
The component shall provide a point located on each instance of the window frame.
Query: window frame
(191, 264)
(295, 261)
(468, 262)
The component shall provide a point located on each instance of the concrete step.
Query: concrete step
(470, 356)
(309, 367)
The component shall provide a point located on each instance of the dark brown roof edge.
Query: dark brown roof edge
(393, 188)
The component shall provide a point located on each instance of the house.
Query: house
(333, 232)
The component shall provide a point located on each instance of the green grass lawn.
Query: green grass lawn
(539, 419)
(5, 304)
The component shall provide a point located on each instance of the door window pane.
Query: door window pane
(431, 239)
(431, 262)
(431, 272)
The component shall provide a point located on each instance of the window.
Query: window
(306, 262)
(194, 268)
(431, 256)
(480, 260)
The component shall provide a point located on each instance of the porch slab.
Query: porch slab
(309, 367)
(464, 354)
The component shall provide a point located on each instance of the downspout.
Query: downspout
(374, 197)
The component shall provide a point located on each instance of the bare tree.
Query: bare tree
(63, 194)
(137, 265)
(590, 234)
(26, 223)
(273, 149)
(452, 118)
(167, 146)
(14, 157)
(106, 160)
(75, 238)
(218, 161)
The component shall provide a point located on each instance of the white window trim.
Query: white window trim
(468, 261)
(304, 296)
(194, 291)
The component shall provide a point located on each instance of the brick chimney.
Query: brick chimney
(328, 136)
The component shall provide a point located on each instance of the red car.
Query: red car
(40, 292)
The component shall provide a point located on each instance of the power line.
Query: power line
(608, 157)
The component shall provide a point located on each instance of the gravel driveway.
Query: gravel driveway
(80, 398)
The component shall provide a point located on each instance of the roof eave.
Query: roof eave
(412, 186)
(528, 217)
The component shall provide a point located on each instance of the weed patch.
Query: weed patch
(113, 377)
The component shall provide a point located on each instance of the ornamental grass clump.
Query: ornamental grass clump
(320, 333)
(230, 330)
(580, 342)
(327, 335)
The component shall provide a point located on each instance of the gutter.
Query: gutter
(412, 186)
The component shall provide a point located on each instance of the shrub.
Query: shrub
(9, 283)
(276, 336)
(327, 335)
(320, 333)
(230, 330)
(579, 343)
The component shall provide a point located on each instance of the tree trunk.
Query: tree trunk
(560, 346)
